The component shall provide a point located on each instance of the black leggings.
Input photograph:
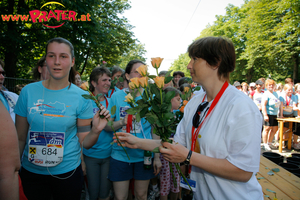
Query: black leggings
(46, 187)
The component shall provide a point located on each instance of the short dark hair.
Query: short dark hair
(180, 73)
(169, 89)
(162, 73)
(181, 88)
(216, 51)
(35, 70)
(116, 69)
(95, 75)
(183, 80)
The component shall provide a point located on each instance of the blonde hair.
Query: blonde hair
(270, 82)
(297, 86)
(244, 83)
(279, 86)
(286, 86)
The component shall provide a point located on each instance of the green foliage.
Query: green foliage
(181, 64)
(106, 37)
(266, 37)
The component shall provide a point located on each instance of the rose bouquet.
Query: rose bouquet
(155, 105)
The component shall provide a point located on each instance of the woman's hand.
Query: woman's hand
(266, 118)
(175, 153)
(156, 165)
(98, 122)
(127, 140)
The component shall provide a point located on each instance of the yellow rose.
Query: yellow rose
(129, 98)
(142, 70)
(84, 86)
(159, 81)
(143, 82)
(131, 85)
(156, 62)
(186, 89)
(135, 81)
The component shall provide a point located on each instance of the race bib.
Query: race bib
(191, 182)
(288, 109)
(136, 126)
(46, 149)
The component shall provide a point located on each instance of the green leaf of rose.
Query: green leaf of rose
(168, 79)
(87, 96)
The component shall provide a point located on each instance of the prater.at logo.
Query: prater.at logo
(49, 17)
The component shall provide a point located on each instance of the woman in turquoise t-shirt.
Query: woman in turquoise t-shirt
(97, 158)
(270, 108)
(122, 170)
(53, 121)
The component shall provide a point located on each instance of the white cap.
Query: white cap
(252, 84)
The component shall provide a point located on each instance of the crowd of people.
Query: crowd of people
(65, 144)
(274, 100)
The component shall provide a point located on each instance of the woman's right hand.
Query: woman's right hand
(127, 140)
(266, 118)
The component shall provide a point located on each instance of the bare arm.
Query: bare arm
(157, 163)
(117, 124)
(22, 130)
(281, 110)
(264, 110)
(9, 154)
(130, 141)
(90, 138)
(220, 167)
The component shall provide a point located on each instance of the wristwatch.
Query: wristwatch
(188, 158)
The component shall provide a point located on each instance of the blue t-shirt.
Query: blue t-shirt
(102, 149)
(53, 112)
(273, 102)
(4, 101)
(292, 101)
(143, 128)
(110, 92)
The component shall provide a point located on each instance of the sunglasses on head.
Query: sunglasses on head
(196, 118)
(3, 73)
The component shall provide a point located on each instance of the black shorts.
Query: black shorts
(287, 124)
(272, 121)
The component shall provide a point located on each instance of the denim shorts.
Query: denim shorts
(123, 171)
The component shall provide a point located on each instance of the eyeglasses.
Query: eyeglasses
(201, 107)
(3, 73)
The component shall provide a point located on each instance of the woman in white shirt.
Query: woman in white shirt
(223, 152)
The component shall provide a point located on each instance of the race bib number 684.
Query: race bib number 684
(46, 148)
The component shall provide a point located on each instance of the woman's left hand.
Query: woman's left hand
(175, 153)
(98, 122)
(156, 165)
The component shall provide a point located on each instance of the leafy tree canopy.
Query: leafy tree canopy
(107, 36)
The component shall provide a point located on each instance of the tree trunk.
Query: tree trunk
(11, 46)
(85, 62)
(296, 65)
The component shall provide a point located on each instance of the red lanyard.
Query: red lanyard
(106, 102)
(112, 91)
(214, 103)
(287, 102)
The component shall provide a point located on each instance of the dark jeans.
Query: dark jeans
(46, 187)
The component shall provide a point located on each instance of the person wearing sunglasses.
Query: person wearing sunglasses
(220, 133)
(9, 99)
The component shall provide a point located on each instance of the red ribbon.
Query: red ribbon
(288, 102)
(129, 124)
(214, 103)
